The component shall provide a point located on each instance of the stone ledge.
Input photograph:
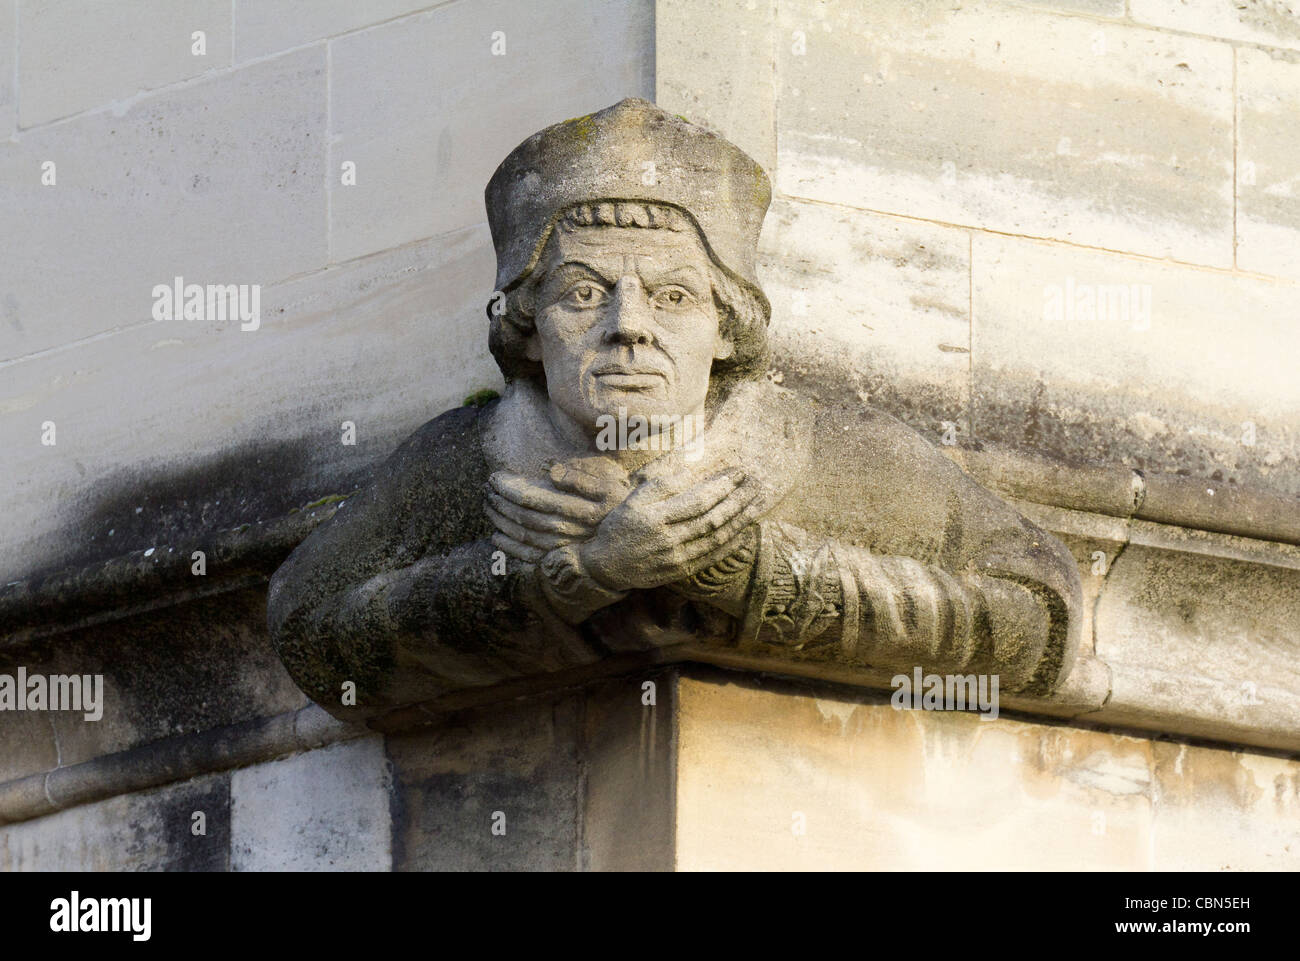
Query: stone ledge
(170, 760)
(1117, 491)
(1175, 677)
(713, 774)
(72, 598)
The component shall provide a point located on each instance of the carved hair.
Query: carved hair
(742, 317)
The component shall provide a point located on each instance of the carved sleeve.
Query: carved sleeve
(447, 621)
(403, 594)
(820, 599)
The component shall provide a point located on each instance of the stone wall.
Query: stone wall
(952, 179)
(1060, 240)
(582, 779)
(771, 777)
(956, 193)
(721, 772)
(229, 168)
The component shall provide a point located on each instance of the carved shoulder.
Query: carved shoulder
(886, 487)
(426, 497)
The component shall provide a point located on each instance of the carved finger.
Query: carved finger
(718, 516)
(579, 482)
(727, 533)
(538, 539)
(520, 552)
(702, 562)
(715, 550)
(536, 520)
(526, 493)
(701, 498)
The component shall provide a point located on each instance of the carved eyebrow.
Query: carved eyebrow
(581, 267)
(674, 275)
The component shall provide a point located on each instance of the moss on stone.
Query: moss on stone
(480, 398)
(581, 127)
(327, 499)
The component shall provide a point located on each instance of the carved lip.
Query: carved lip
(628, 371)
(631, 374)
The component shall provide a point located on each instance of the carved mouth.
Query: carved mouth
(628, 371)
(627, 377)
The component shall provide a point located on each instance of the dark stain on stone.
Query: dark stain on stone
(852, 391)
(450, 781)
(1096, 427)
(176, 505)
(188, 851)
(179, 670)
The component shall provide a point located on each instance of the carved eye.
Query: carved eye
(671, 297)
(585, 294)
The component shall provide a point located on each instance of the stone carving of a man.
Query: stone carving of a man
(549, 530)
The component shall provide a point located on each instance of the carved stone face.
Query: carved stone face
(625, 318)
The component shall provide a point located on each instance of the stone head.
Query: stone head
(614, 288)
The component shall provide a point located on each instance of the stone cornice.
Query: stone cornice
(1117, 491)
(1171, 682)
(72, 598)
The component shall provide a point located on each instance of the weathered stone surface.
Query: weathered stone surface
(1104, 492)
(875, 788)
(219, 182)
(181, 670)
(1268, 161)
(414, 124)
(28, 740)
(1224, 810)
(77, 56)
(629, 774)
(8, 53)
(1272, 22)
(589, 780)
(150, 831)
(721, 773)
(169, 761)
(1203, 383)
(1011, 119)
(267, 26)
(379, 343)
(872, 309)
(1096, 543)
(325, 810)
(513, 766)
(1226, 669)
(1100, 8)
(716, 64)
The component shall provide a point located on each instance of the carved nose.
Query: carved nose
(629, 321)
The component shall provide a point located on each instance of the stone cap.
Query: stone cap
(630, 151)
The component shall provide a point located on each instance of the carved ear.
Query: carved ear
(723, 347)
(533, 347)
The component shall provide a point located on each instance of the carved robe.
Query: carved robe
(876, 552)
